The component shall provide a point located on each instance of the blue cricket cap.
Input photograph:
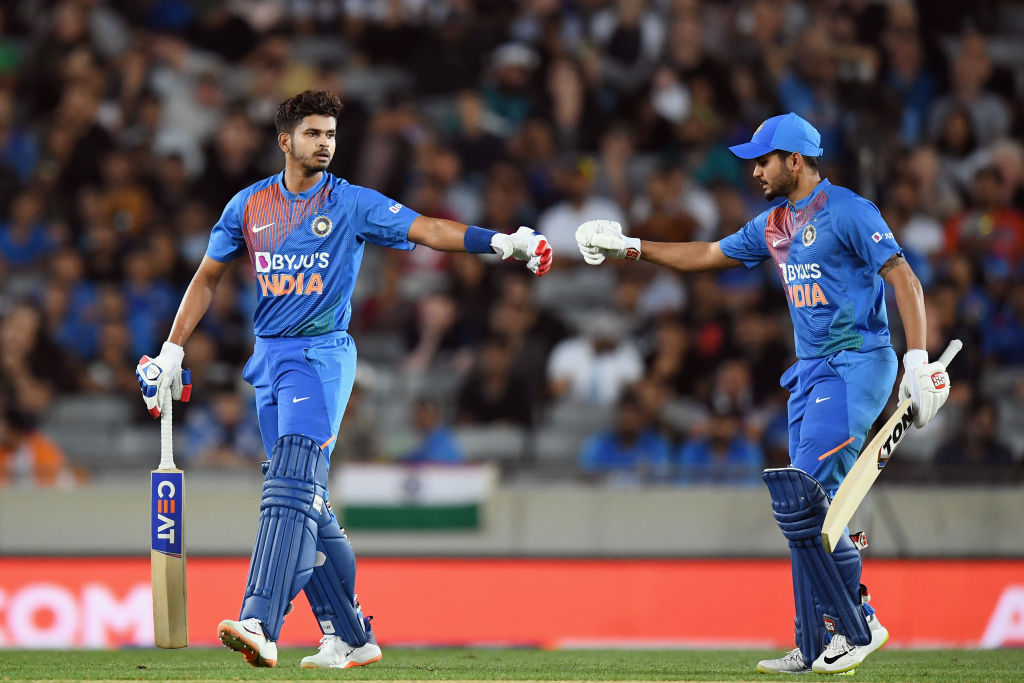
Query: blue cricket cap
(787, 132)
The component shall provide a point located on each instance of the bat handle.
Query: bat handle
(166, 432)
(947, 356)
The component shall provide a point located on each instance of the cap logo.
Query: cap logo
(760, 127)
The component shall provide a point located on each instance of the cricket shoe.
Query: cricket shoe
(790, 663)
(247, 637)
(335, 653)
(841, 655)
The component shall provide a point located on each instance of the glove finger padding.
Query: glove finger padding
(932, 383)
(592, 255)
(543, 256)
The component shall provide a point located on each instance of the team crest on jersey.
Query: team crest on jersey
(809, 235)
(322, 226)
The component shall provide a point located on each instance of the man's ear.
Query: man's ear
(284, 141)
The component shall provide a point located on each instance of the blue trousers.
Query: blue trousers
(832, 404)
(302, 385)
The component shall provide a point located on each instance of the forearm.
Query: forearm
(686, 256)
(438, 233)
(910, 301)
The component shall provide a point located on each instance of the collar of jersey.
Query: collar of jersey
(300, 195)
(809, 198)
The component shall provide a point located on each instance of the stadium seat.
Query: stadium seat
(490, 442)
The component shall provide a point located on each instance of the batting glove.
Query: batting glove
(162, 379)
(525, 245)
(600, 239)
(925, 384)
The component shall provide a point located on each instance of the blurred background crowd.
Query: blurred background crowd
(125, 127)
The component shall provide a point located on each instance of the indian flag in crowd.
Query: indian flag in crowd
(403, 497)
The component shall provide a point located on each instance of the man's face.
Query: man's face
(776, 177)
(311, 144)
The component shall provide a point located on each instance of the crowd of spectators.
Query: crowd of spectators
(126, 126)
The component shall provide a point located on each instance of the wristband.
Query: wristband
(478, 240)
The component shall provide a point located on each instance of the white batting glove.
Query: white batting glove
(162, 379)
(600, 239)
(525, 245)
(925, 384)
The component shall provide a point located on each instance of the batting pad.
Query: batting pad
(285, 550)
(826, 587)
(331, 588)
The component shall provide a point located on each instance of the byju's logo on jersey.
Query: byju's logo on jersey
(279, 283)
(322, 226)
(261, 260)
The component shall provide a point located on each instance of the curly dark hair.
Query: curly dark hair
(308, 103)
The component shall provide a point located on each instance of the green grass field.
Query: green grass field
(500, 664)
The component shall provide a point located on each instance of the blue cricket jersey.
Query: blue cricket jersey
(306, 248)
(827, 250)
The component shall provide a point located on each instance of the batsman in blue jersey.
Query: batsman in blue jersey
(304, 232)
(832, 251)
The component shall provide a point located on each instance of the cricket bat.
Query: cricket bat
(869, 464)
(167, 549)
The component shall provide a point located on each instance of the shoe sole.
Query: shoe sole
(849, 669)
(350, 664)
(233, 640)
(346, 665)
(766, 670)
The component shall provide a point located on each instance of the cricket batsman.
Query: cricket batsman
(304, 231)
(832, 251)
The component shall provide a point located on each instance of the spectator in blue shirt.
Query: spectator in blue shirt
(437, 442)
(723, 456)
(633, 447)
(223, 431)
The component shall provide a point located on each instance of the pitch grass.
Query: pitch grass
(501, 664)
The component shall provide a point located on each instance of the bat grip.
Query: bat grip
(947, 356)
(166, 445)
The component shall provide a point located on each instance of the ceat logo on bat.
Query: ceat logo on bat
(166, 515)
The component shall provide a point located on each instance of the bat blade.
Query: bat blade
(167, 558)
(862, 475)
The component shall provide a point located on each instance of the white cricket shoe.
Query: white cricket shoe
(335, 653)
(790, 663)
(841, 655)
(247, 637)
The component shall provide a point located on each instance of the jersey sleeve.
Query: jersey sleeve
(382, 221)
(862, 228)
(226, 240)
(747, 244)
